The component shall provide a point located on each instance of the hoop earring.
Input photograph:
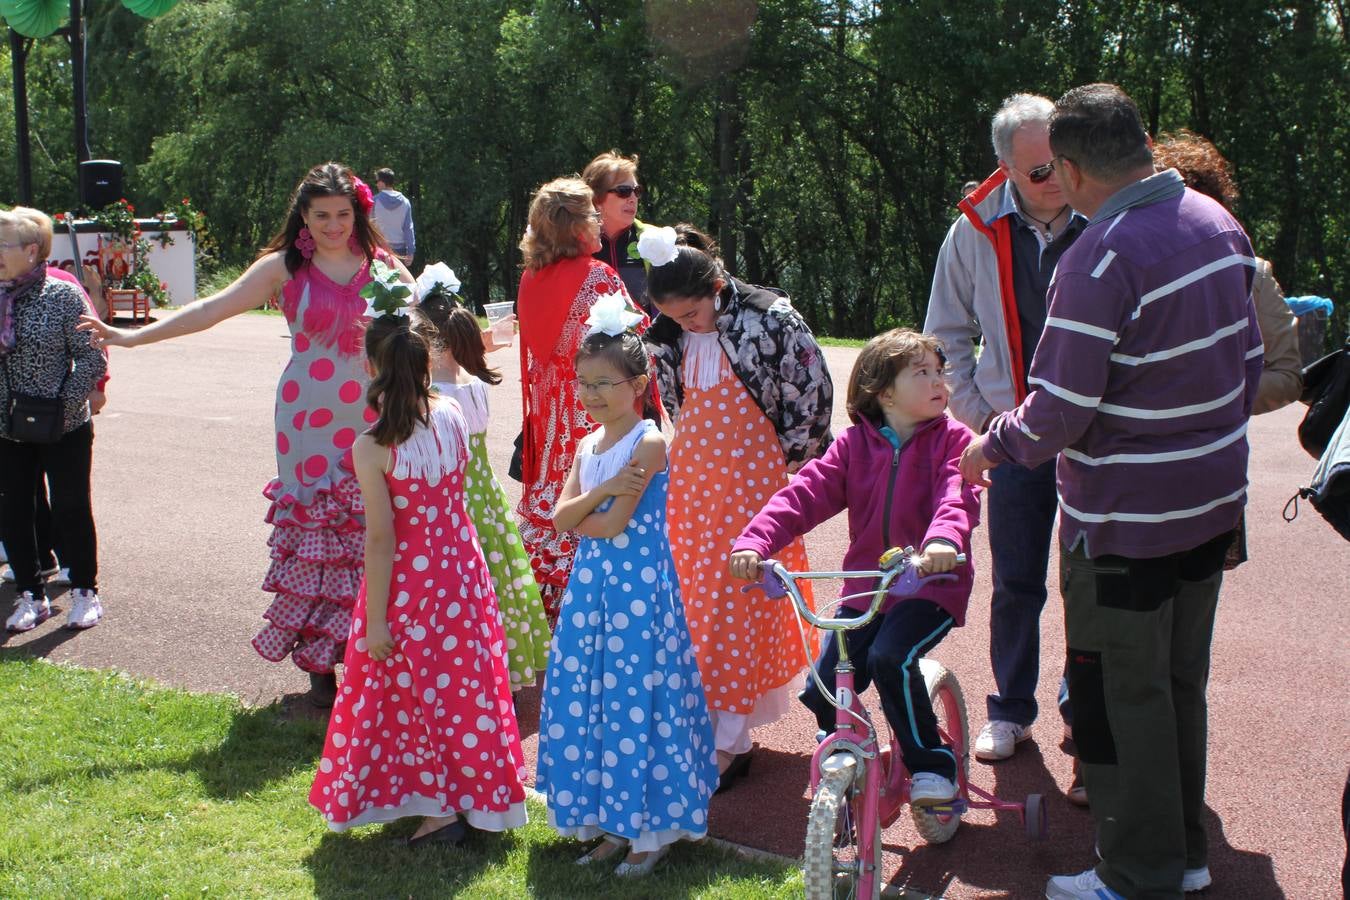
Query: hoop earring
(304, 242)
(717, 302)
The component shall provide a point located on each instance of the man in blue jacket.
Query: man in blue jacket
(393, 214)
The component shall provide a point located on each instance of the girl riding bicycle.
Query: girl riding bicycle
(896, 471)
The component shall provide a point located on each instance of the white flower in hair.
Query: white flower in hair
(434, 274)
(657, 245)
(611, 315)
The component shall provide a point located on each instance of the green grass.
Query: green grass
(856, 343)
(111, 787)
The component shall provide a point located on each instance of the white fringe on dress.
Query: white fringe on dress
(473, 402)
(596, 469)
(434, 451)
(702, 359)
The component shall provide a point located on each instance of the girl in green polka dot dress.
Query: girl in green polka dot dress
(461, 371)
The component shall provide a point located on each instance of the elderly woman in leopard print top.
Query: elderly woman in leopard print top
(42, 355)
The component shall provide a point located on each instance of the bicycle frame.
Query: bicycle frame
(882, 776)
(880, 784)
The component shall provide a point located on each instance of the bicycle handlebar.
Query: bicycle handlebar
(897, 577)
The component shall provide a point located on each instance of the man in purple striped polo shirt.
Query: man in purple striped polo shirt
(1142, 383)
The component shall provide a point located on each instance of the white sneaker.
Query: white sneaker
(85, 611)
(930, 788)
(998, 739)
(1192, 880)
(1196, 879)
(1083, 886)
(29, 614)
(58, 576)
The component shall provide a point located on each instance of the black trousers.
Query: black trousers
(887, 652)
(67, 465)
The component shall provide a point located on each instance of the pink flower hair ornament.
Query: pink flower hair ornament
(363, 194)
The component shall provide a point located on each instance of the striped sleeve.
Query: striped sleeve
(1070, 370)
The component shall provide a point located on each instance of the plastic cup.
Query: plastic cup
(496, 311)
(503, 324)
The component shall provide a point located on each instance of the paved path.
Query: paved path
(185, 447)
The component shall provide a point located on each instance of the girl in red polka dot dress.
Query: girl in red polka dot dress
(423, 724)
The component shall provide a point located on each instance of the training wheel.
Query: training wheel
(1034, 814)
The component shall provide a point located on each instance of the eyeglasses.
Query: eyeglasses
(594, 216)
(626, 190)
(1039, 175)
(600, 387)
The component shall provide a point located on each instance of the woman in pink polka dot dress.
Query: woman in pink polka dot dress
(423, 724)
(318, 262)
(318, 527)
(745, 383)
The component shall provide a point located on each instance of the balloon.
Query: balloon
(34, 18)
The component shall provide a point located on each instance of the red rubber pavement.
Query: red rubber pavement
(184, 449)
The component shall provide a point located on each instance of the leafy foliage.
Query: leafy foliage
(823, 145)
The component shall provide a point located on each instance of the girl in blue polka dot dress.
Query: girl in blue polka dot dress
(625, 743)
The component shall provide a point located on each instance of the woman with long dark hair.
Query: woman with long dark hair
(318, 262)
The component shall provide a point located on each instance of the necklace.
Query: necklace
(1045, 223)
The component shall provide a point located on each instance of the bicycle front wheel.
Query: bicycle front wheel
(842, 859)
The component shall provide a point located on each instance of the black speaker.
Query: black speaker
(100, 182)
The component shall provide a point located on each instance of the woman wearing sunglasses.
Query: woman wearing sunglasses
(613, 179)
(562, 280)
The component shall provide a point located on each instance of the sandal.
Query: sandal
(611, 844)
(637, 870)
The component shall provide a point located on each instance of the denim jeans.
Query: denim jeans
(886, 652)
(1021, 506)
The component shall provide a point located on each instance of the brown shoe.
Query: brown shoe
(1077, 792)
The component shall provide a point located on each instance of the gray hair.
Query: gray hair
(1016, 111)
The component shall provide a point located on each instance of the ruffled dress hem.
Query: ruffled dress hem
(514, 816)
(318, 552)
(731, 731)
(641, 842)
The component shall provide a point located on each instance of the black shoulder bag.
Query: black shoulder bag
(36, 420)
(1326, 390)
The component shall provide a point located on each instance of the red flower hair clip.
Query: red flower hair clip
(363, 194)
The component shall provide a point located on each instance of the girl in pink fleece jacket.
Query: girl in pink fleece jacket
(896, 471)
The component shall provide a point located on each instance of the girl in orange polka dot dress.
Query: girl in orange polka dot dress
(423, 724)
(746, 385)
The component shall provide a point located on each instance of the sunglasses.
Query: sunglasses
(1041, 174)
(627, 190)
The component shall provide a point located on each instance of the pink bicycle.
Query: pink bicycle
(858, 787)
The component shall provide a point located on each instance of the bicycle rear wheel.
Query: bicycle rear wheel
(949, 705)
(839, 862)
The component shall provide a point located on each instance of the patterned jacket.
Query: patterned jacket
(772, 352)
(49, 350)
